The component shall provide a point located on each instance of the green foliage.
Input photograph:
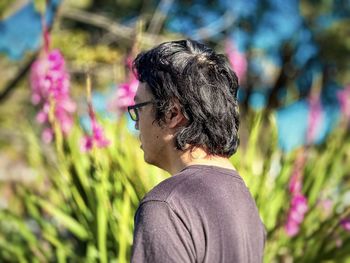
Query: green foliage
(5, 8)
(267, 172)
(85, 209)
(40, 6)
(82, 209)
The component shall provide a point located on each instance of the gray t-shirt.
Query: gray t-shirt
(202, 214)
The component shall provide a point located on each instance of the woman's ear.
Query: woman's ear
(175, 117)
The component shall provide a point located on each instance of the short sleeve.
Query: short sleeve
(160, 235)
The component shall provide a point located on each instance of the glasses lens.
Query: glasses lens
(133, 114)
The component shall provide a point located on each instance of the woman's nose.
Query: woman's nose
(136, 125)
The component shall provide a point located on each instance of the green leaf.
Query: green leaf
(70, 223)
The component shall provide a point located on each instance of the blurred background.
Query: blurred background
(71, 171)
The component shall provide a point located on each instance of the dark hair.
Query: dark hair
(205, 86)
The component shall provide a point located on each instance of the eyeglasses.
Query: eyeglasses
(134, 110)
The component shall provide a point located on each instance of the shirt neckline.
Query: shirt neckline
(197, 166)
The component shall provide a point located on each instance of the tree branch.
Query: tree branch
(118, 30)
(206, 32)
(13, 83)
(159, 16)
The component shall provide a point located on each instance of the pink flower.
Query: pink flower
(98, 135)
(238, 60)
(295, 183)
(291, 228)
(296, 214)
(50, 88)
(47, 135)
(125, 94)
(42, 117)
(298, 202)
(86, 143)
(345, 223)
(344, 101)
(97, 138)
(315, 118)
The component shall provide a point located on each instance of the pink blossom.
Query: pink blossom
(237, 59)
(291, 228)
(295, 183)
(97, 138)
(64, 119)
(315, 118)
(86, 143)
(345, 223)
(126, 91)
(47, 135)
(41, 117)
(98, 135)
(36, 98)
(125, 94)
(344, 101)
(50, 86)
(298, 207)
(298, 202)
(296, 214)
